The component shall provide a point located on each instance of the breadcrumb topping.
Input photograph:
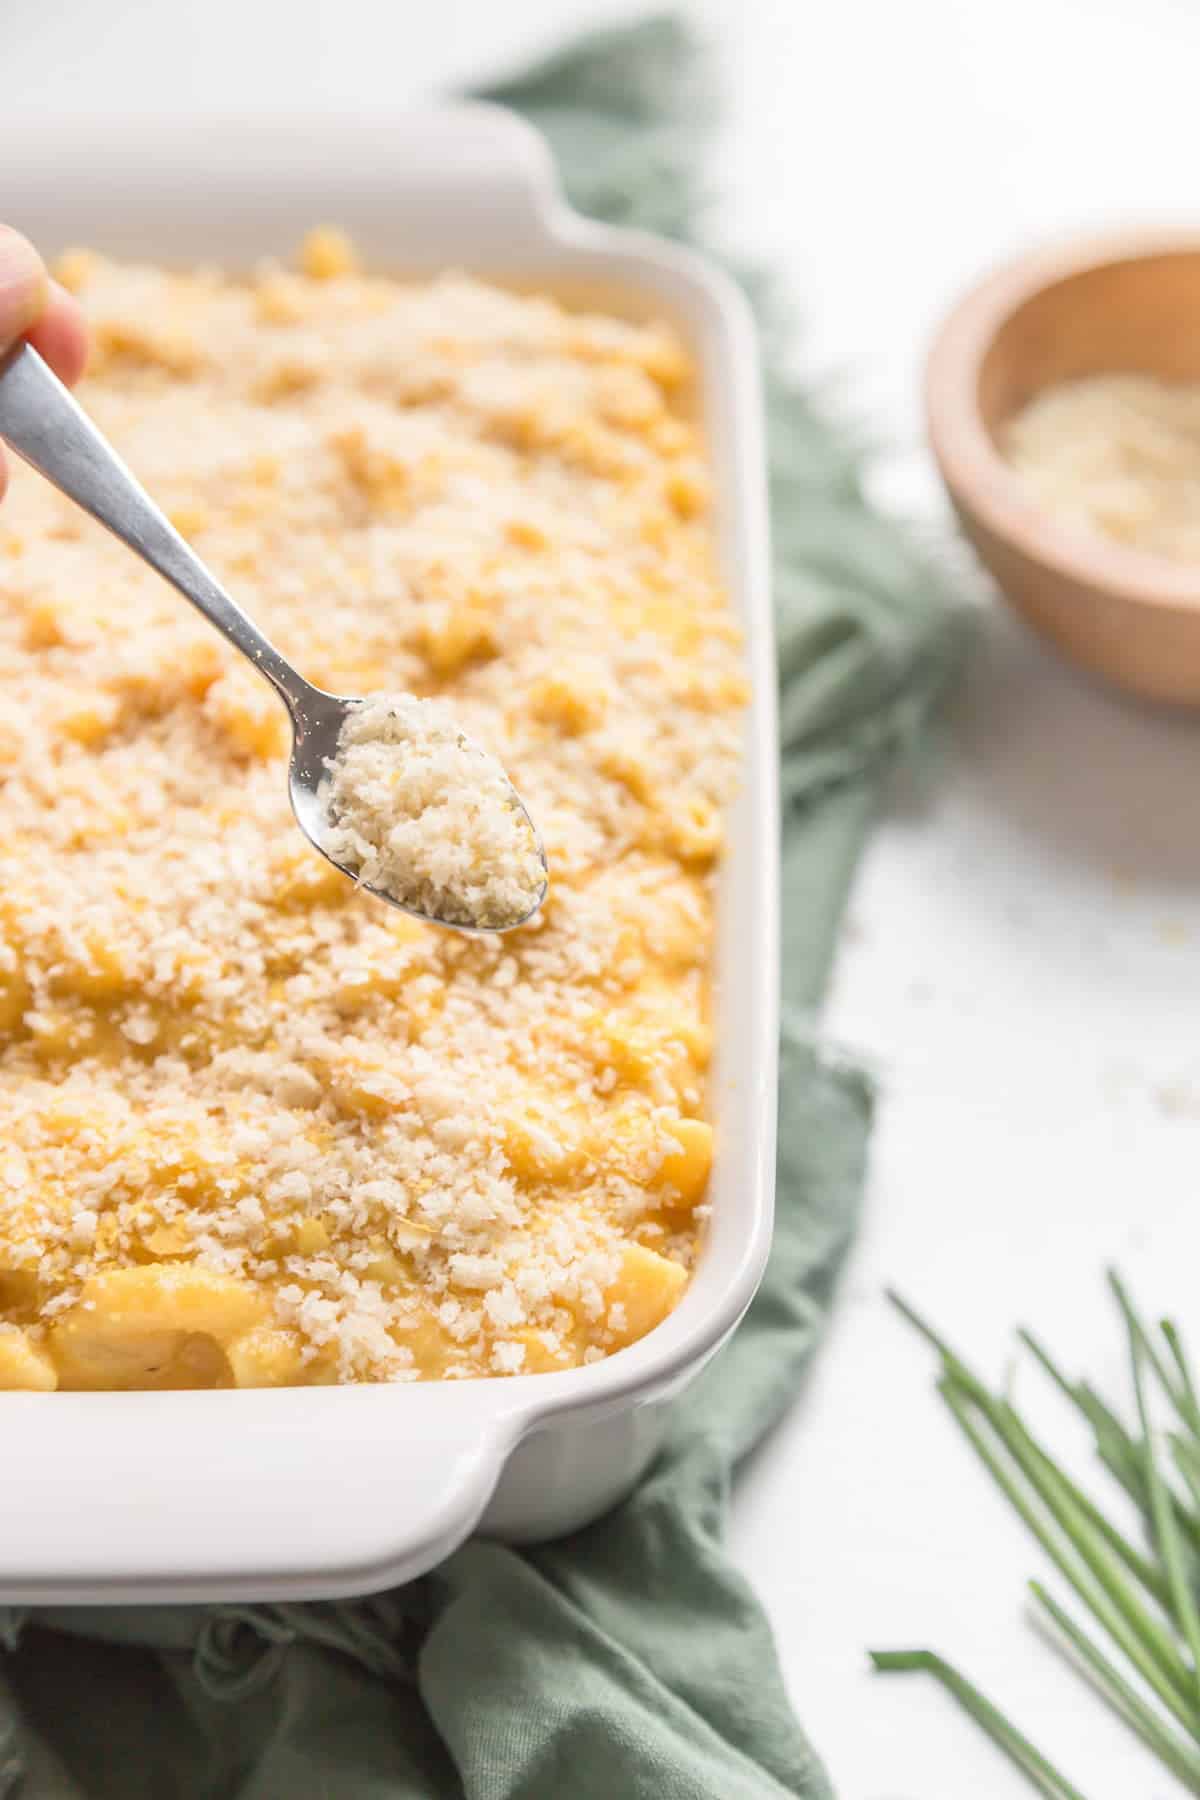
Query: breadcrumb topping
(1118, 454)
(255, 1126)
(420, 812)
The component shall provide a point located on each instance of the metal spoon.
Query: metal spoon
(45, 426)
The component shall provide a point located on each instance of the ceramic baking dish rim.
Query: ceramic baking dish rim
(497, 173)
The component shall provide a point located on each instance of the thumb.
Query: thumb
(22, 287)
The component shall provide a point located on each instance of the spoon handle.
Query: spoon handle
(50, 430)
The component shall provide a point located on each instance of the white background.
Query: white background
(1022, 959)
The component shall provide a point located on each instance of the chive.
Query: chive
(1146, 1604)
(1127, 1467)
(1087, 1542)
(1116, 1447)
(1069, 1388)
(1166, 1531)
(1003, 1733)
(1051, 1483)
(1106, 1427)
(1154, 1732)
(1187, 1461)
(1183, 1399)
(1150, 1577)
(1144, 1643)
(1117, 1450)
(966, 1377)
(1137, 1329)
(1174, 1343)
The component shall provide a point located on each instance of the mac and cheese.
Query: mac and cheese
(255, 1127)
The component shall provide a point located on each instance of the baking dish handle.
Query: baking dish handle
(444, 176)
(500, 167)
(302, 1493)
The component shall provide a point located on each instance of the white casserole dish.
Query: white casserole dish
(303, 1493)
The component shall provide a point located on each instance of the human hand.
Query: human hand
(33, 306)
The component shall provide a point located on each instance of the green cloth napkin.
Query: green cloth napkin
(630, 1660)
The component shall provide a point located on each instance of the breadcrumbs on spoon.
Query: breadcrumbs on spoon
(420, 813)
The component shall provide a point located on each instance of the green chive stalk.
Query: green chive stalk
(1041, 1773)
(1141, 1596)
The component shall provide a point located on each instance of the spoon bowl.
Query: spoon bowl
(317, 722)
(41, 421)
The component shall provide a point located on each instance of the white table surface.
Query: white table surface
(1022, 959)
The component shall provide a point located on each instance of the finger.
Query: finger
(60, 335)
(23, 286)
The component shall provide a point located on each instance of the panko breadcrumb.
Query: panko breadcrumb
(1116, 453)
(418, 811)
(256, 1126)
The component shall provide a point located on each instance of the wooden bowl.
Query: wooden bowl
(1127, 305)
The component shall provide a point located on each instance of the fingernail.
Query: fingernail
(22, 285)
